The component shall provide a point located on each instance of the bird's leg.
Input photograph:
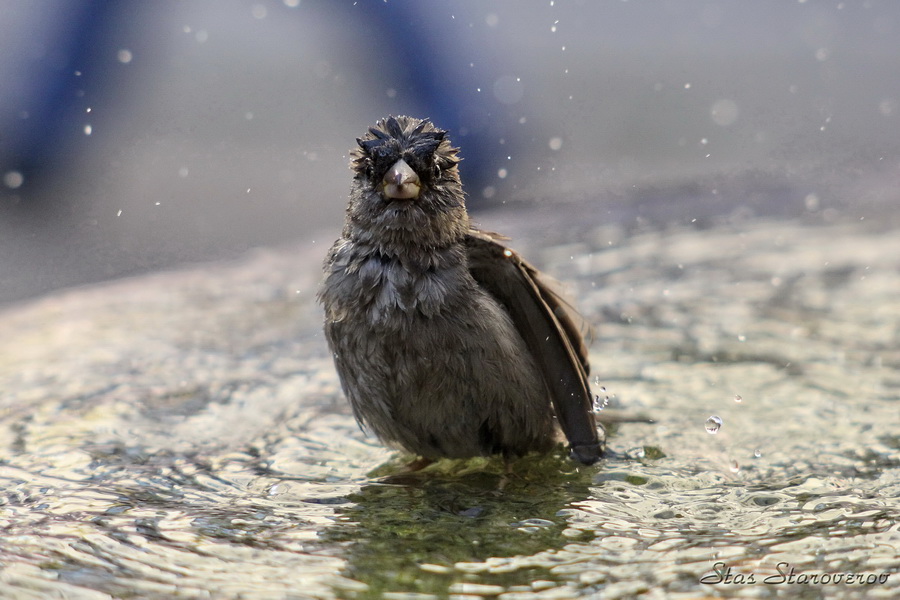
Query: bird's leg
(507, 472)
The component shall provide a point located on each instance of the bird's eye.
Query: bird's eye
(379, 161)
(383, 151)
(380, 153)
(423, 164)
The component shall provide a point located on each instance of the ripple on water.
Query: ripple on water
(203, 447)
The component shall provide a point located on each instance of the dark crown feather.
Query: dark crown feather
(402, 133)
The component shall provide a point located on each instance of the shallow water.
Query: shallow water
(183, 435)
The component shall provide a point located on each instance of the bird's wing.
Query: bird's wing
(549, 327)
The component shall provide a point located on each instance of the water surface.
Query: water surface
(183, 435)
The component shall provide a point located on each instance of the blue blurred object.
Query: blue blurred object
(67, 72)
(61, 65)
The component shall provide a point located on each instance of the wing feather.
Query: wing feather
(551, 330)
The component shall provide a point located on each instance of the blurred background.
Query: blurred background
(141, 135)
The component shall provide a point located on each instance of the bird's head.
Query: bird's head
(406, 178)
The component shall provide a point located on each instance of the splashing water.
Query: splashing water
(601, 402)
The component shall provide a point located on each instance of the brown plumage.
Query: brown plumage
(447, 343)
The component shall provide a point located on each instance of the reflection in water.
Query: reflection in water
(421, 532)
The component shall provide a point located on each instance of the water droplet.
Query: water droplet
(713, 424)
(757, 453)
(124, 55)
(508, 89)
(724, 112)
(13, 179)
(734, 467)
(601, 400)
(88, 130)
(555, 143)
(502, 173)
(811, 201)
(738, 399)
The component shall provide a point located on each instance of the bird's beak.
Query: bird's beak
(401, 182)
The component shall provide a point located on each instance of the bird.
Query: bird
(447, 343)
